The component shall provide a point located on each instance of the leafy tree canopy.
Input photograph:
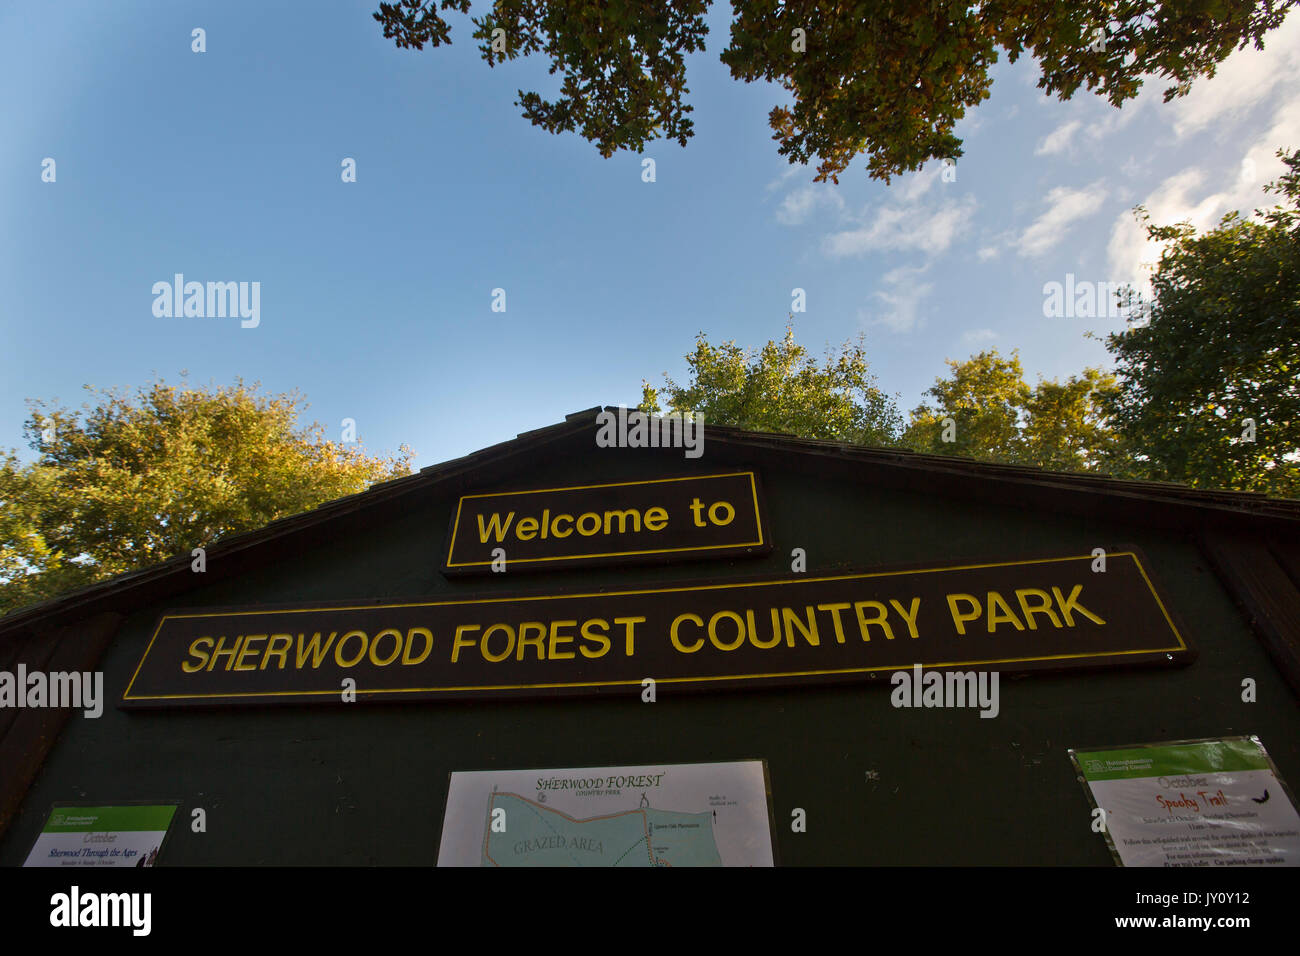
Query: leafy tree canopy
(1209, 366)
(996, 416)
(133, 481)
(781, 388)
(889, 78)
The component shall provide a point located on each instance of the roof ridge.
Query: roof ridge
(1211, 501)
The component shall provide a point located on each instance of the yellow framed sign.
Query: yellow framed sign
(1052, 613)
(665, 519)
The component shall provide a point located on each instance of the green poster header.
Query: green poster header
(1211, 756)
(109, 819)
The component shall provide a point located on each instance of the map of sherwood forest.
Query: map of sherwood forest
(713, 814)
(541, 836)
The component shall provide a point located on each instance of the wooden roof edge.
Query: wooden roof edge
(1172, 491)
(95, 597)
(91, 598)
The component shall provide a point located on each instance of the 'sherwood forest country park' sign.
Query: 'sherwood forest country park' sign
(635, 521)
(1018, 615)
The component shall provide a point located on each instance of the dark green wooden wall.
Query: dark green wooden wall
(365, 783)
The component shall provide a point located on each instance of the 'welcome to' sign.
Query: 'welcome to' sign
(632, 521)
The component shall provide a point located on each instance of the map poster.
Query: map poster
(695, 814)
(1214, 802)
(124, 835)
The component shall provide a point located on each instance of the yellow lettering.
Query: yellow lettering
(494, 527)
(410, 640)
(622, 517)
(1004, 613)
(1071, 603)
(835, 610)
(280, 652)
(740, 630)
(533, 641)
(864, 625)
(510, 646)
(630, 623)
(314, 649)
(1043, 607)
(909, 616)
(656, 519)
(555, 526)
(586, 636)
(195, 651)
(789, 618)
(528, 525)
(558, 638)
(248, 646)
(713, 512)
(672, 632)
(338, 650)
(222, 651)
(397, 647)
(457, 642)
(753, 631)
(958, 619)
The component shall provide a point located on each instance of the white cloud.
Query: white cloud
(1058, 140)
(799, 205)
(1132, 168)
(969, 124)
(988, 252)
(915, 185)
(900, 274)
(976, 336)
(901, 300)
(1129, 254)
(1182, 198)
(1065, 206)
(902, 228)
(783, 178)
(1112, 119)
(1249, 79)
(1243, 81)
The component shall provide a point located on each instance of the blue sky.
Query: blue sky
(376, 295)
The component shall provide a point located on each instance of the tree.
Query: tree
(890, 78)
(1209, 366)
(131, 483)
(996, 416)
(1065, 426)
(983, 397)
(30, 568)
(780, 388)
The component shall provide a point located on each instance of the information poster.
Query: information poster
(128, 835)
(701, 814)
(1217, 802)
